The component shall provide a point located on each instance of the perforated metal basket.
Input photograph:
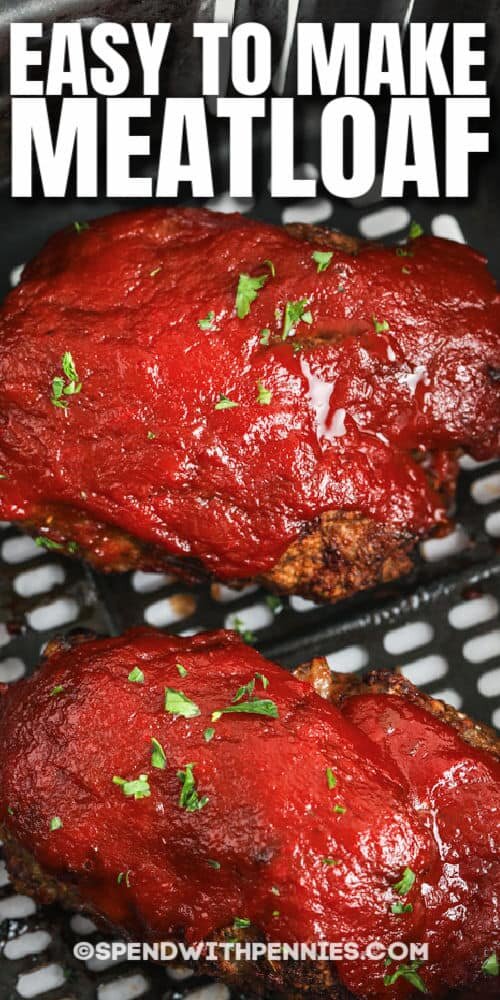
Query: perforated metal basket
(440, 625)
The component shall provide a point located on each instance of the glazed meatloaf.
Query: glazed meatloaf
(205, 394)
(189, 790)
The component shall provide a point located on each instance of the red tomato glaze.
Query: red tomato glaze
(402, 357)
(414, 796)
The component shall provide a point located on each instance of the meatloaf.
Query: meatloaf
(201, 393)
(186, 789)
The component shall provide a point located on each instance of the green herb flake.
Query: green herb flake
(181, 670)
(124, 877)
(189, 798)
(276, 913)
(208, 322)
(48, 543)
(2, 475)
(151, 435)
(330, 778)
(225, 403)
(275, 891)
(245, 633)
(408, 972)
(158, 755)
(401, 908)
(213, 864)
(255, 707)
(295, 312)
(72, 547)
(247, 292)
(415, 231)
(380, 327)
(10, 810)
(263, 680)
(80, 227)
(152, 274)
(271, 267)
(491, 965)
(274, 603)
(70, 387)
(56, 823)
(264, 337)
(403, 252)
(136, 676)
(241, 922)
(339, 809)
(208, 734)
(137, 789)
(331, 862)
(323, 259)
(405, 883)
(264, 396)
(56, 690)
(177, 703)
(406, 270)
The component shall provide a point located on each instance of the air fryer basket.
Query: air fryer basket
(440, 625)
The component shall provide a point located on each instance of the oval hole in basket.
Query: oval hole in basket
(255, 617)
(31, 943)
(442, 548)
(489, 683)
(95, 964)
(313, 210)
(410, 636)
(215, 991)
(492, 524)
(427, 669)
(16, 908)
(170, 610)
(347, 659)
(82, 925)
(123, 989)
(450, 696)
(495, 718)
(386, 220)
(302, 603)
(11, 669)
(179, 973)
(487, 489)
(448, 227)
(49, 616)
(222, 593)
(473, 612)
(42, 980)
(147, 583)
(19, 549)
(482, 647)
(39, 580)
(4, 875)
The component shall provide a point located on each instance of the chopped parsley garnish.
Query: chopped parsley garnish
(339, 809)
(276, 913)
(181, 670)
(225, 403)
(330, 778)
(264, 337)
(48, 543)
(274, 603)
(263, 679)
(271, 267)
(264, 396)
(258, 706)
(250, 687)
(245, 633)
(406, 270)
(189, 798)
(56, 823)
(330, 862)
(136, 676)
(208, 322)
(152, 274)
(241, 922)
(138, 788)
(323, 259)
(491, 965)
(208, 734)
(70, 387)
(380, 327)
(56, 690)
(177, 703)
(81, 226)
(415, 231)
(247, 292)
(124, 876)
(72, 546)
(151, 435)
(275, 891)
(405, 883)
(213, 864)
(295, 312)
(2, 475)
(403, 252)
(158, 755)
(10, 810)
(401, 908)
(408, 972)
